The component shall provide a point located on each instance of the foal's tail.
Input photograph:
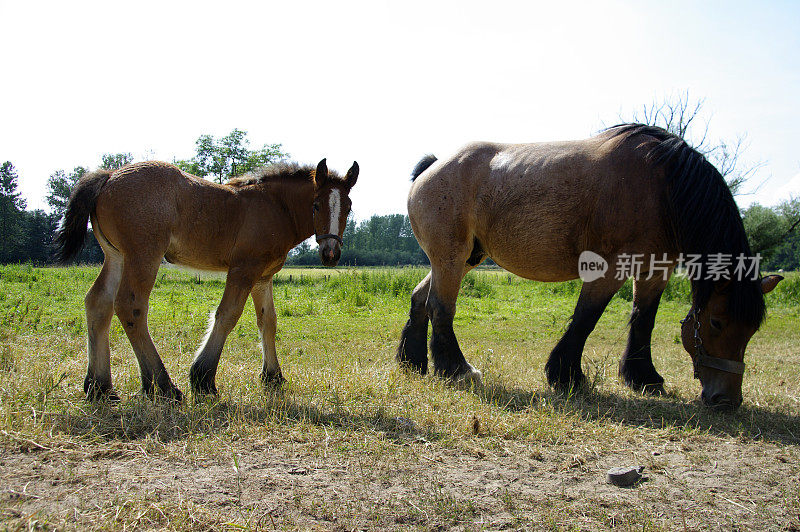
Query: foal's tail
(72, 231)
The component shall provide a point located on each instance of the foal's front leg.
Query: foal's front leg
(267, 326)
(203, 372)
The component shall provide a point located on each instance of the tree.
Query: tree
(765, 228)
(229, 156)
(113, 161)
(379, 241)
(12, 207)
(681, 116)
(59, 187)
(37, 241)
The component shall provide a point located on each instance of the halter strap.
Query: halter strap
(330, 235)
(701, 356)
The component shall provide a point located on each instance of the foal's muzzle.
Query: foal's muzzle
(330, 249)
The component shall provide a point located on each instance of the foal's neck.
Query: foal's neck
(298, 199)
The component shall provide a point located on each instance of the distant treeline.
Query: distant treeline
(379, 241)
(27, 236)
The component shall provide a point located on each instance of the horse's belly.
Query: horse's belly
(543, 260)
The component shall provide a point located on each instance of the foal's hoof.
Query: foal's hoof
(98, 391)
(172, 393)
(270, 380)
(469, 378)
(204, 389)
(169, 392)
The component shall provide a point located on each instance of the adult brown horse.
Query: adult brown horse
(631, 191)
(144, 212)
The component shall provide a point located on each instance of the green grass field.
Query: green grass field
(352, 442)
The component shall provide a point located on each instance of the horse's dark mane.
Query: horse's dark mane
(703, 213)
(281, 171)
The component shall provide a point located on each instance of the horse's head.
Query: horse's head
(331, 207)
(716, 344)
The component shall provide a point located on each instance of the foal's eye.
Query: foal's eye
(716, 324)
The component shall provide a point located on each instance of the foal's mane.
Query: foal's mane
(704, 215)
(279, 172)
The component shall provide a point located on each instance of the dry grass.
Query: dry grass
(353, 442)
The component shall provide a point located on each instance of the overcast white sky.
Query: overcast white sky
(384, 83)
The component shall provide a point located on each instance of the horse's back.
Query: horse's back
(533, 207)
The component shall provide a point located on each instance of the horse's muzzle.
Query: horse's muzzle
(329, 251)
(721, 402)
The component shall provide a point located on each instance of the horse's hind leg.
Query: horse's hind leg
(267, 322)
(448, 360)
(636, 366)
(413, 349)
(132, 305)
(99, 303)
(563, 368)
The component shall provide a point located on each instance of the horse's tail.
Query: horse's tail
(71, 233)
(422, 165)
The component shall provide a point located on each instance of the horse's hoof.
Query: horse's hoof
(654, 389)
(469, 378)
(566, 381)
(569, 383)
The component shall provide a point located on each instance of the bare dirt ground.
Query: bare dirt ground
(701, 482)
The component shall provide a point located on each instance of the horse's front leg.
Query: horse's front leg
(563, 368)
(448, 360)
(267, 326)
(636, 367)
(203, 372)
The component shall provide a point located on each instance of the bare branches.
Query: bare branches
(681, 116)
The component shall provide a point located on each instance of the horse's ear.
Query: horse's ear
(352, 175)
(321, 175)
(769, 282)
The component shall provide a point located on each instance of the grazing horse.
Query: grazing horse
(631, 191)
(147, 211)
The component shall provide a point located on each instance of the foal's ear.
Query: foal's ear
(352, 175)
(321, 175)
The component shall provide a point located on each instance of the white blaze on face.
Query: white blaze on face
(335, 203)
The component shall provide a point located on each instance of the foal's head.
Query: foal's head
(331, 207)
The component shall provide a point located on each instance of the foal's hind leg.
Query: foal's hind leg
(636, 366)
(99, 303)
(203, 372)
(563, 368)
(132, 305)
(413, 349)
(267, 322)
(448, 360)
